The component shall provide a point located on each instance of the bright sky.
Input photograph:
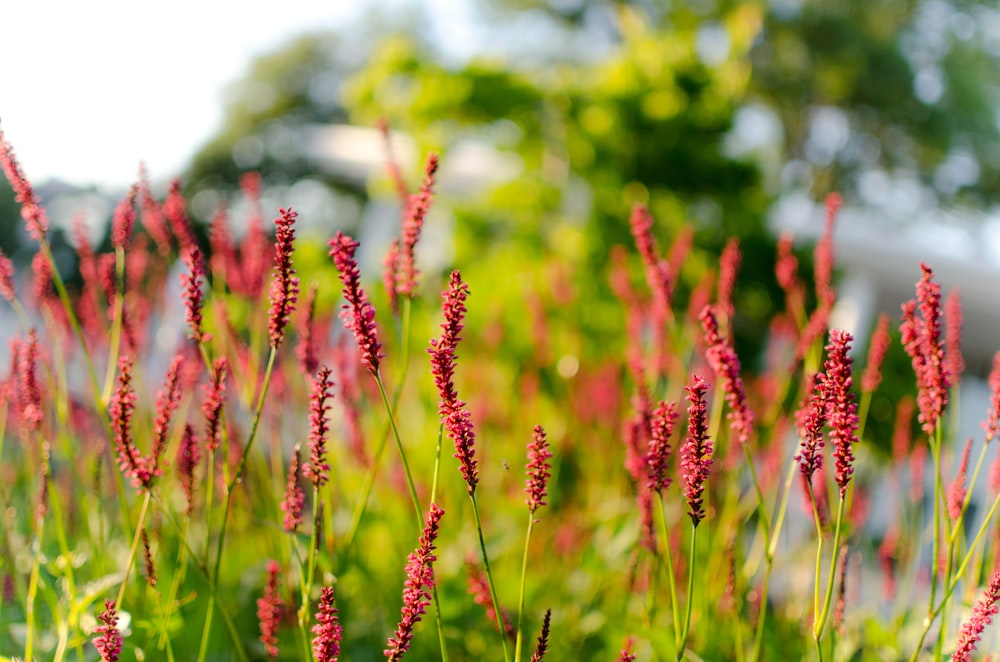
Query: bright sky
(88, 89)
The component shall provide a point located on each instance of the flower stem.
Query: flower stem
(520, 597)
(489, 577)
(690, 593)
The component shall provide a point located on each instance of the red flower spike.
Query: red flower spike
(958, 489)
(35, 219)
(167, 401)
(285, 284)
(726, 366)
(841, 407)
(213, 402)
(187, 460)
(543, 638)
(877, 347)
(953, 335)
(327, 631)
(992, 422)
(696, 453)
(108, 641)
(269, 608)
(416, 210)
(193, 295)
(124, 220)
(295, 498)
(658, 455)
(729, 264)
(921, 336)
(982, 615)
(416, 590)
(538, 469)
(317, 470)
(358, 313)
(812, 418)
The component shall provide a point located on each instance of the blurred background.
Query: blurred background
(730, 119)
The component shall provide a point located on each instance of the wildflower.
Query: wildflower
(188, 458)
(167, 401)
(455, 416)
(122, 405)
(173, 209)
(479, 589)
(696, 453)
(982, 615)
(840, 401)
(416, 591)
(811, 420)
(358, 314)
(269, 608)
(306, 349)
(317, 469)
(327, 631)
(391, 166)
(958, 489)
(953, 335)
(627, 655)
(34, 215)
(7, 278)
(658, 456)
(838, 610)
(786, 270)
(123, 220)
(416, 210)
(29, 394)
(992, 422)
(295, 498)
(193, 296)
(657, 269)
(543, 638)
(726, 365)
(213, 402)
(877, 347)
(729, 264)
(147, 556)
(538, 469)
(152, 214)
(285, 285)
(921, 338)
(108, 641)
(390, 273)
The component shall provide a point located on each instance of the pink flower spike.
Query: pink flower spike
(108, 641)
(167, 402)
(841, 406)
(306, 349)
(877, 347)
(213, 402)
(122, 404)
(543, 638)
(657, 269)
(269, 607)
(992, 422)
(953, 335)
(958, 489)
(982, 615)
(193, 295)
(187, 461)
(34, 215)
(295, 498)
(29, 393)
(696, 453)
(358, 313)
(390, 274)
(812, 420)
(124, 220)
(538, 469)
(729, 264)
(416, 590)
(921, 336)
(658, 455)
(318, 470)
(285, 285)
(416, 210)
(7, 278)
(327, 631)
(726, 366)
(174, 209)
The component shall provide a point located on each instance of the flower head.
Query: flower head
(958, 489)
(317, 469)
(877, 347)
(285, 285)
(992, 422)
(416, 590)
(34, 215)
(416, 210)
(696, 453)
(187, 461)
(124, 220)
(726, 365)
(543, 638)
(108, 641)
(167, 401)
(921, 337)
(174, 209)
(538, 469)
(269, 607)
(327, 631)
(812, 418)
(657, 269)
(729, 264)
(358, 313)
(658, 456)
(306, 349)
(295, 498)
(193, 296)
(982, 615)
(130, 462)
(841, 406)
(953, 335)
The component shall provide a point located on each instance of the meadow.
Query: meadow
(322, 464)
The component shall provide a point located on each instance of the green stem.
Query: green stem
(669, 561)
(33, 591)
(690, 593)
(818, 627)
(489, 577)
(402, 452)
(135, 546)
(779, 519)
(437, 599)
(520, 596)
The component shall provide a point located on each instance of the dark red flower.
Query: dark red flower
(108, 641)
(696, 453)
(327, 631)
(285, 284)
(358, 313)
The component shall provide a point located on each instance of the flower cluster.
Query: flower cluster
(167, 401)
(295, 498)
(285, 285)
(982, 615)
(841, 407)
(193, 295)
(878, 344)
(317, 470)
(212, 404)
(188, 457)
(543, 638)
(108, 641)
(327, 631)
(358, 313)
(811, 422)
(696, 453)
(658, 456)
(922, 341)
(538, 469)
(35, 219)
(413, 222)
(416, 590)
(657, 269)
(269, 608)
(123, 220)
(726, 365)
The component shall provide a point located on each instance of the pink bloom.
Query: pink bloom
(786, 270)
(416, 590)
(479, 589)
(921, 338)
(358, 314)
(729, 264)
(992, 422)
(167, 402)
(626, 654)
(454, 414)
(124, 220)
(212, 404)
(269, 608)
(391, 165)
(543, 638)
(838, 611)
(657, 269)
(538, 469)
(193, 295)
(187, 461)
(174, 209)
(413, 222)
(317, 470)
(877, 346)
(147, 556)
(7, 278)
(957, 490)
(390, 273)
(811, 422)
(35, 219)
(726, 366)
(841, 406)
(327, 631)
(306, 349)
(696, 453)
(285, 285)
(152, 214)
(658, 455)
(953, 335)
(982, 615)
(29, 393)
(295, 498)
(122, 405)
(108, 641)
